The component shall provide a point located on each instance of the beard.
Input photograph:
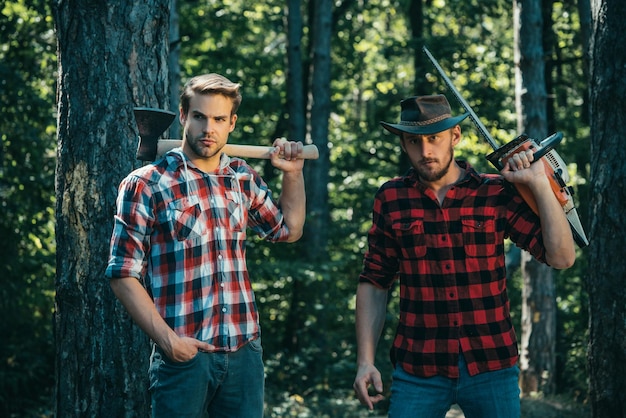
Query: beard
(198, 148)
(430, 175)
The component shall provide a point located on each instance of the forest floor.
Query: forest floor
(553, 407)
(348, 407)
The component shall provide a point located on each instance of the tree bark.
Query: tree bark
(296, 101)
(111, 57)
(416, 21)
(538, 340)
(415, 17)
(296, 106)
(317, 172)
(607, 270)
(173, 63)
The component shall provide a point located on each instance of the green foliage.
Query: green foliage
(572, 332)
(27, 126)
(245, 41)
(307, 310)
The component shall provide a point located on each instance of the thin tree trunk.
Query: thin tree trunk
(318, 216)
(296, 101)
(415, 17)
(111, 57)
(538, 340)
(296, 106)
(173, 63)
(318, 170)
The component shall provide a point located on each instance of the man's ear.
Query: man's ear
(456, 135)
(402, 143)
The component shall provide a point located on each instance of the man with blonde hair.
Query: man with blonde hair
(178, 261)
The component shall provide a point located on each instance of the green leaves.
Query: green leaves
(27, 128)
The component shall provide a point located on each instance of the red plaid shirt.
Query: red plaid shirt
(182, 232)
(449, 260)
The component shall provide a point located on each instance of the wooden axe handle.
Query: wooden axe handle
(309, 152)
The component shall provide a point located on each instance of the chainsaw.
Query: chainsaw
(544, 151)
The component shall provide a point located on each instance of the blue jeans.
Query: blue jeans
(209, 385)
(486, 395)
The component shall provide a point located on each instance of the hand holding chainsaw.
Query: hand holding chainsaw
(518, 170)
(554, 167)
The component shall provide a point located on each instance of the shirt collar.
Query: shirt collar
(411, 178)
(176, 157)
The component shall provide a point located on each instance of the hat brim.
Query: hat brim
(399, 128)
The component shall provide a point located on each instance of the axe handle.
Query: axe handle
(309, 152)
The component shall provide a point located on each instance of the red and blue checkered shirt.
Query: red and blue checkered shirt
(449, 260)
(182, 232)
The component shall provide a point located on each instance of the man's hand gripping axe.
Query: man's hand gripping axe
(556, 169)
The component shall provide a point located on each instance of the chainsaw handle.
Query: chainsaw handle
(548, 145)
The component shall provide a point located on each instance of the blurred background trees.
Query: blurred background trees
(305, 291)
(27, 165)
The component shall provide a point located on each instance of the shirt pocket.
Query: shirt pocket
(236, 215)
(410, 238)
(184, 217)
(479, 235)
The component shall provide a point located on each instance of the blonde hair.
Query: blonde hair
(210, 84)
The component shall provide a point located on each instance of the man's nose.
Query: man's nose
(426, 147)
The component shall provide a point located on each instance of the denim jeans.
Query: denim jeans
(213, 385)
(486, 395)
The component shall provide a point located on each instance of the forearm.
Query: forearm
(293, 203)
(371, 310)
(556, 232)
(142, 310)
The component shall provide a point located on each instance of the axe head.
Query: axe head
(151, 123)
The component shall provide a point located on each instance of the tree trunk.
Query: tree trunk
(317, 171)
(296, 106)
(111, 57)
(173, 64)
(415, 17)
(538, 340)
(607, 270)
(296, 101)
(416, 22)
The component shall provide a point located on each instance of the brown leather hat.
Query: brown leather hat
(424, 115)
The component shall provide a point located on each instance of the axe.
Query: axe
(152, 122)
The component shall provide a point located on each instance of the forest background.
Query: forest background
(307, 304)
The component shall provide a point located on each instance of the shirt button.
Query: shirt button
(451, 294)
(224, 309)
